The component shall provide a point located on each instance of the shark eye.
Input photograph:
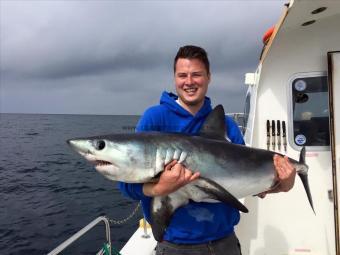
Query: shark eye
(100, 145)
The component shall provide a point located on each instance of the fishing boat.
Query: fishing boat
(291, 102)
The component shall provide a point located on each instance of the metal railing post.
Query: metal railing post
(83, 231)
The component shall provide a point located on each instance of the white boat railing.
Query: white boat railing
(82, 232)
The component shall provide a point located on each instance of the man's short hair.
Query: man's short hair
(193, 52)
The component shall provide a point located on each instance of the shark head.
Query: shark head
(116, 158)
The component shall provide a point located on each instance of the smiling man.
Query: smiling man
(196, 228)
(192, 77)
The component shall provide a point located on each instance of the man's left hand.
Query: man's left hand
(285, 175)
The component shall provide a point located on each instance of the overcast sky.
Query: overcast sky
(115, 57)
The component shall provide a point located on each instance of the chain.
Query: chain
(122, 221)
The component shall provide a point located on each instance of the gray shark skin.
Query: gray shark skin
(227, 171)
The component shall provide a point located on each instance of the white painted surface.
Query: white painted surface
(137, 244)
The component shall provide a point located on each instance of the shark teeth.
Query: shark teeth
(102, 163)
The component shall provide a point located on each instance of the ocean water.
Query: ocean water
(48, 193)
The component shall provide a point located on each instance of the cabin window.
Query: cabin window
(310, 111)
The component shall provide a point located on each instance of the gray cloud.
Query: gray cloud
(121, 52)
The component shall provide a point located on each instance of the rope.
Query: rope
(115, 252)
(106, 249)
(122, 221)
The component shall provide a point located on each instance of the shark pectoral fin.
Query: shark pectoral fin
(162, 208)
(217, 192)
(161, 211)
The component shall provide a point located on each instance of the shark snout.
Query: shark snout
(78, 145)
(73, 144)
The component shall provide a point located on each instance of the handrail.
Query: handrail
(83, 231)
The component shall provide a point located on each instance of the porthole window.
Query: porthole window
(310, 111)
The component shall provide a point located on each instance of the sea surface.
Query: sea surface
(48, 192)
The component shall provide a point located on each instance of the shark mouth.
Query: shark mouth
(101, 163)
(105, 167)
(97, 162)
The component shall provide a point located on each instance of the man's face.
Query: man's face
(191, 80)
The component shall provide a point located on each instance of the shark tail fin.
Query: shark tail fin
(303, 174)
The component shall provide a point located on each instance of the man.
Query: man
(197, 228)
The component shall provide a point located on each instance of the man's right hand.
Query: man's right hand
(174, 176)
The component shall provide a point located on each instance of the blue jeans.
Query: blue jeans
(225, 246)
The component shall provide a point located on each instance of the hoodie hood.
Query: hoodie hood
(168, 99)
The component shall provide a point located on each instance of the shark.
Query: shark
(228, 172)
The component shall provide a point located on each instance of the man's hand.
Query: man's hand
(285, 175)
(174, 176)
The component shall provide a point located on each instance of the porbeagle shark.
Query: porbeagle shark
(228, 171)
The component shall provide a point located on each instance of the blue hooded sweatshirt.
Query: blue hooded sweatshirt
(195, 222)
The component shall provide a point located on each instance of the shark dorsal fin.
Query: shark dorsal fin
(214, 125)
